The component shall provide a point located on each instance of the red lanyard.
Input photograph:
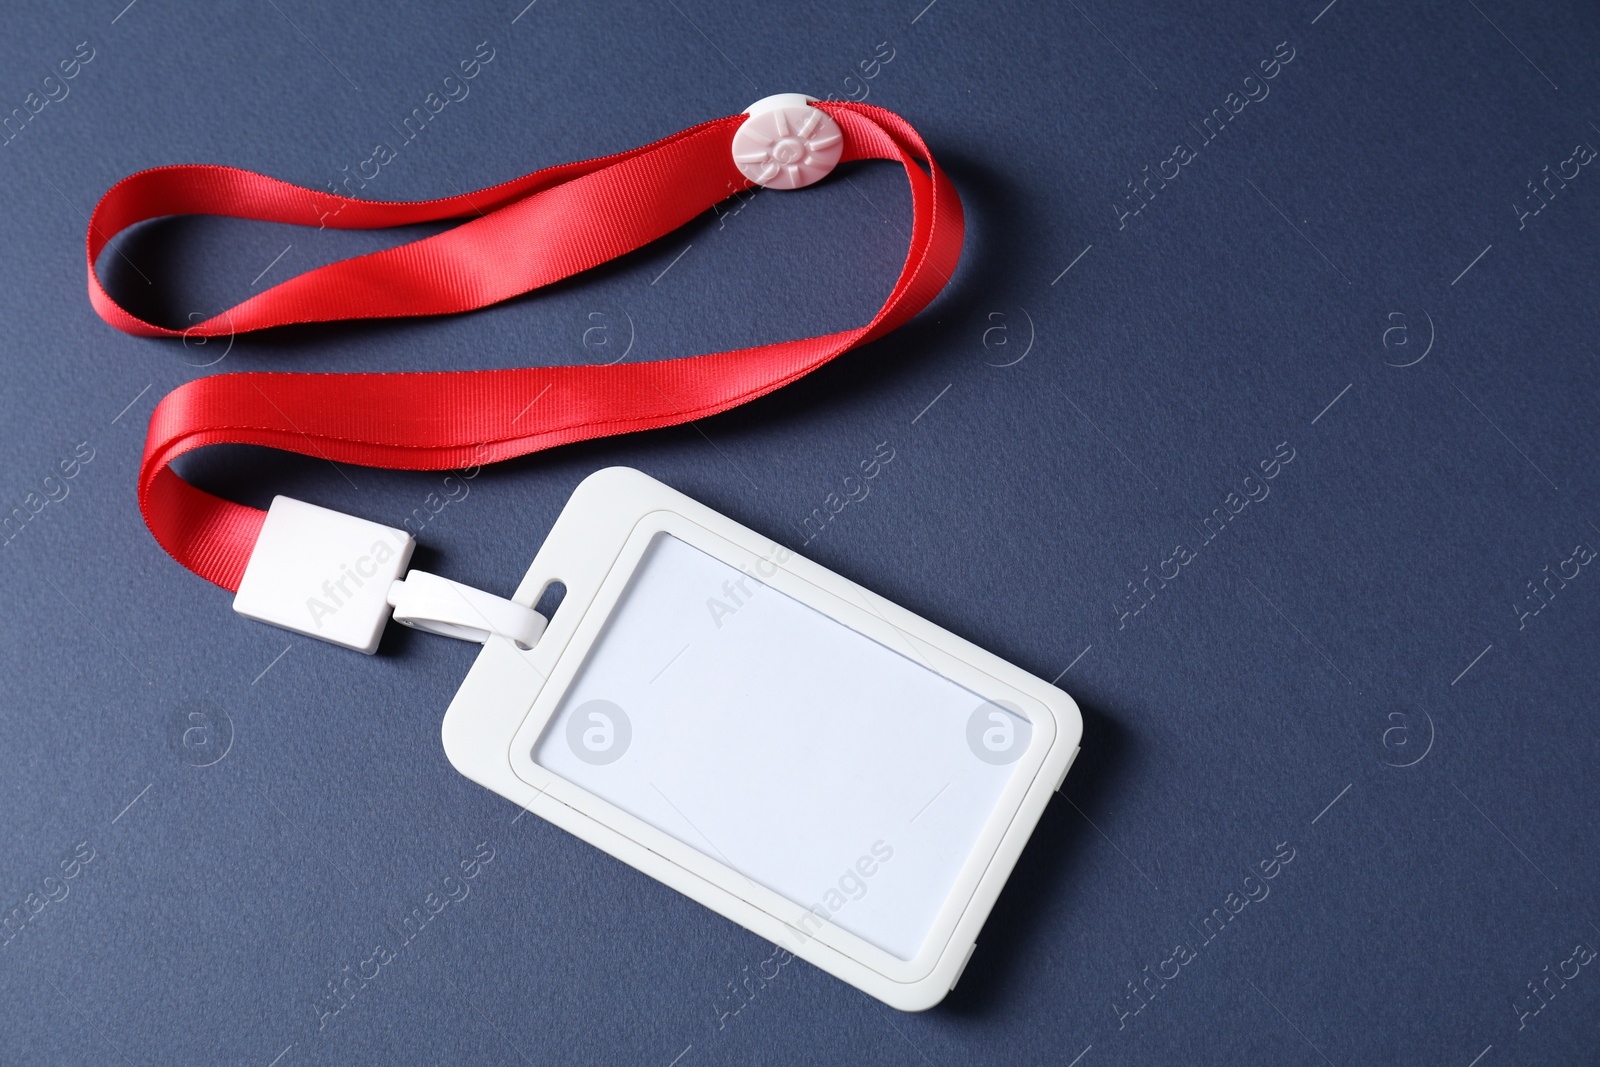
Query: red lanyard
(520, 235)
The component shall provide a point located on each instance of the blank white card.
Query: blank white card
(842, 774)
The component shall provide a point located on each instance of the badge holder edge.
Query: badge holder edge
(498, 693)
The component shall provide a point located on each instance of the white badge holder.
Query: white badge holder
(835, 774)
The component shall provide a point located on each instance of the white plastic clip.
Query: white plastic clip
(333, 576)
(786, 143)
(437, 605)
(323, 573)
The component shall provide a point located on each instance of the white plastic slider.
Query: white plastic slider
(334, 577)
(786, 143)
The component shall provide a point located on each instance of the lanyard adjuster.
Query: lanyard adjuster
(786, 143)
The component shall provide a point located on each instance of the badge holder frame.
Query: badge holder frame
(510, 695)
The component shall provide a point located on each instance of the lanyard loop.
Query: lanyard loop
(519, 236)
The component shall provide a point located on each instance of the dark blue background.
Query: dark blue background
(1305, 654)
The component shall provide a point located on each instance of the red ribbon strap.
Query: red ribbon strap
(520, 235)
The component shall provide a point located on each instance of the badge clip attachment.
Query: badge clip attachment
(438, 605)
(335, 577)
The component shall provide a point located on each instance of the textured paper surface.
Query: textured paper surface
(264, 810)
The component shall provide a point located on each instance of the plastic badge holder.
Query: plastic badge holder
(830, 771)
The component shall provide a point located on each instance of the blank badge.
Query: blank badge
(832, 772)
